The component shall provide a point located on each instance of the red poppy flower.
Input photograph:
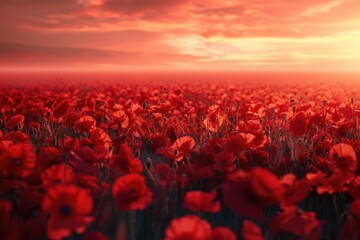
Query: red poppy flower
(162, 108)
(295, 221)
(213, 121)
(248, 193)
(201, 201)
(17, 120)
(239, 142)
(251, 231)
(181, 148)
(125, 162)
(344, 157)
(167, 178)
(16, 160)
(224, 161)
(81, 166)
(121, 118)
(189, 227)
(222, 233)
(100, 138)
(84, 124)
(69, 207)
(57, 174)
(16, 136)
(48, 156)
(70, 118)
(61, 108)
(92, 155)
(159, 141)
(212, 147)
(161, 170)
(298, 124)
(130, 192)
(70, 144)
(295, 190)
(339, 181)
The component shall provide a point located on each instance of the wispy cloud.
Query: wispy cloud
(190, 33)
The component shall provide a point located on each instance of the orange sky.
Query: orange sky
(133, 35)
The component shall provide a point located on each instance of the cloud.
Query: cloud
(179, 32)
(29, 55)
(139, 6)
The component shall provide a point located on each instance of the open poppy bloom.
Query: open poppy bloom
(84, 124)
(298, 124)
(69, 207)
(48, 156)
(181, 148)
(295, 221)
(224, 162)
(61, 108)
(213, 120)
(125, 162)
(16, 160)
(57, 174)
(239, 142)
(201, 201)
(130, 192)
(344, 157)
(294, 190)
(247, 193)
(100, 138)
(251, 231)
(17, 120)
(189, 227)
(121, 119)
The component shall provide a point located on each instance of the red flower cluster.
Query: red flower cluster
(187, 160)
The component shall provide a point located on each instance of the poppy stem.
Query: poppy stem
(336, 207)
(132, 221)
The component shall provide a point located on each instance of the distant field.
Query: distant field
(179, 156)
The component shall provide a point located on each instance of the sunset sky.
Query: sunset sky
(135, 35)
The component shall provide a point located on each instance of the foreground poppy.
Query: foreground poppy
(69, 208)
(130, 192)
(189, 227)
(201, 201)
(57, 174)
(16, 160)
(295, 221)
(125, 162)
(247, 193)
(251, 231)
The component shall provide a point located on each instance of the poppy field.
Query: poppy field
(184, 160)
